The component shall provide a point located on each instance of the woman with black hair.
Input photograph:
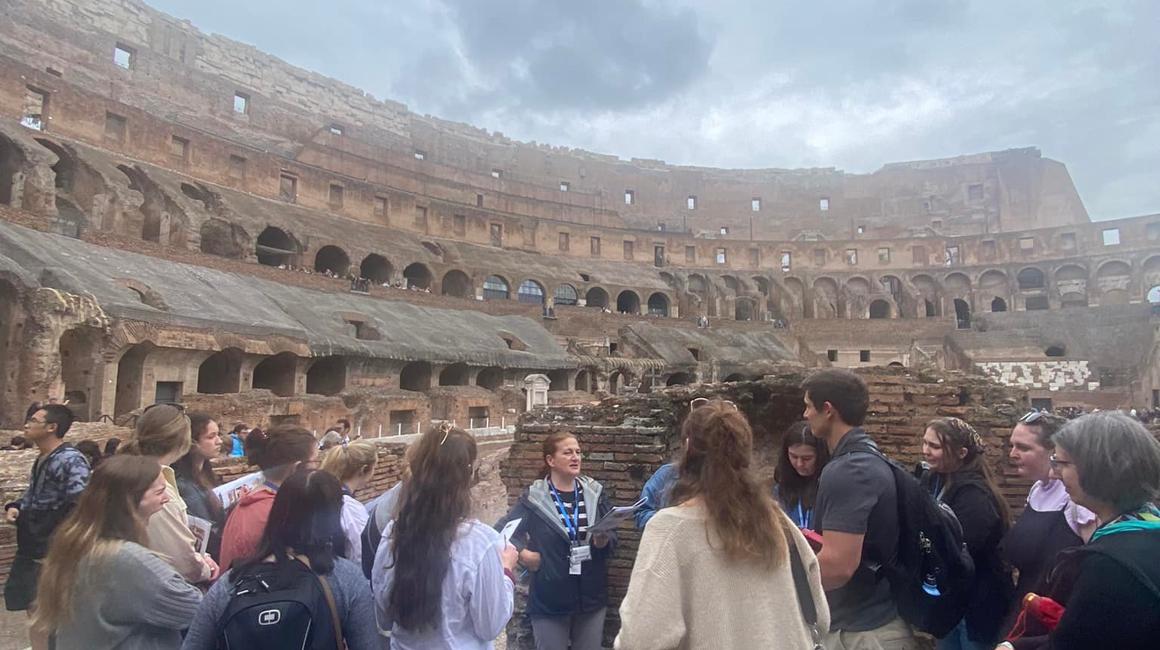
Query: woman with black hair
(803, 455)
(442, 579)
(300, 535)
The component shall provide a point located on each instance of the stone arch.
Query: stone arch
(456, 283)
(744, 309)
(762, 284)
(12, 161)
(731, 283)
(929, 295)
(326, 376)
(224, 239)
(1030, 278)
(796, 306)
(66, 170)
(333, 259)
(1070, 272)
(530, 292)
(658, 304)
(962, 314)
(679, 379)
(496, 287)
(825, 298)
(78, 349)
(957, 284)
(277, 374)
(627, 302)
(276, 247)
(558, 380)
(456, 374)
(415, 376)
(220, 373)
(376, 268)
(417, 276)
(699, 289)
(879, 309)
(1114, 279)
(857, 293)
(596, 297)
(585, 382)
(490, 378)
(130, 376)
(618, 380)
(565, 295)
(998, 305)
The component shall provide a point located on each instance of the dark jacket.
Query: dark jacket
(1110, 592)
(553, 591)
(983, 528)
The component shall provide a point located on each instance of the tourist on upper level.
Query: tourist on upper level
(101, 587)
(957, 474)
(196, 479)
(441, 578)
(162, 432)
(1110, 464)
(1050, 521)
(353, 465)
(277, 453)
(857, 515)
(59, 476)
(803, 456)
(717, 569)
(569, 592)
(296, 552)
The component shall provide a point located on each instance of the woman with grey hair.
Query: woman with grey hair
(1111, 464)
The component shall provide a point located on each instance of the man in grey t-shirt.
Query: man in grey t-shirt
(857, 516)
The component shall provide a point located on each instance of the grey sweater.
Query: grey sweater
(352, 596)
(132, 600)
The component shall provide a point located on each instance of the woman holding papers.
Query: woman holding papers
(723, 568)
(441, 579)
(163, 432)
(569, 591)
(196, 479)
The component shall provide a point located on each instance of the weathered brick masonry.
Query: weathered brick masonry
(625, 439)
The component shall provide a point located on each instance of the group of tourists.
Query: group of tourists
(109, 557)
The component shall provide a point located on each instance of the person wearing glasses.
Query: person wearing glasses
(1050, 521)
(569, 592)
(277, 452)
(1110, 464)
(442, 579)
(803, 455)
(717, 569)
(957, 475)
(162, 432)
(59, 476)
(656, 489)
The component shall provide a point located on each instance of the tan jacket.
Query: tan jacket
(170, 537)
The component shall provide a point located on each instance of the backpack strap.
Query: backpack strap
(334, 620)
(801, 585)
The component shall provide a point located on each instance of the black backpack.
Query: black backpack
(932, 574)
(274, 607)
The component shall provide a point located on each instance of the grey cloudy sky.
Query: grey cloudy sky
(850, 84)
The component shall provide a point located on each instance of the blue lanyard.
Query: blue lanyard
(804, 516)
(271, 485)
(571, 524)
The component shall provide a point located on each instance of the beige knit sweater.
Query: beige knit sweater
(684, 593)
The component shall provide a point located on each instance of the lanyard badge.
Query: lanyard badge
(578, 553)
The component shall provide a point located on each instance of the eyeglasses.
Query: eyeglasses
(705, 401)
(179, 407)
(1056, 464)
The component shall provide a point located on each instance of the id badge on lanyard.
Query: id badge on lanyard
(578, 553)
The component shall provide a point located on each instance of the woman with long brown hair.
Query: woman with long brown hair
(568, 597)
(958, 476)
(441, 578)
(162, 432)
(196, 479)
(715, 570)
(803, 455)
(100, 586)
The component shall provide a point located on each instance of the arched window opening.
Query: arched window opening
(415, 376)
(327, 376)
(679, 379)
(558, 380)
(530, 292)
(276, 374)
(224, 239)
(743, 310)
(658, 305)
(585, 383)
(1030, 278)
(332, 260)
(566, 295)
(457, 284)
(376, 268)
(489, 378)
(496, 288)
(962, 314)
(455, 374)
(596, 297)
(998, 304)
(275, 247)
(628, 302)
(930, 310)
(879, 309)
(418, 276)
(220, 373)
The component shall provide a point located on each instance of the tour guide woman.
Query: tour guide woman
(1110, 464)
(569, 592)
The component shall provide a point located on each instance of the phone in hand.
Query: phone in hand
(813, 538)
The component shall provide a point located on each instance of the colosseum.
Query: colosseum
(187, 218)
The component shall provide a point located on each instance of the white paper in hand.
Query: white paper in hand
(509, 529)
(615, 516)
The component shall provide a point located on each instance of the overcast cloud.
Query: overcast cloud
(733, 83)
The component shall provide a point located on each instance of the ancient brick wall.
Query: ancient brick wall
(625, 439)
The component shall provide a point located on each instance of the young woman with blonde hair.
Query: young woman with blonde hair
(353, 464)
(717, 568)
(100, 587)
(162, 432)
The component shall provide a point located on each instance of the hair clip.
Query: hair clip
(445, 428)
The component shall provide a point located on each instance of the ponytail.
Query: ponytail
(348, 461)
(717, 466)
(281, 447)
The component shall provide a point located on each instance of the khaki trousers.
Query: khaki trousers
(895, 635)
